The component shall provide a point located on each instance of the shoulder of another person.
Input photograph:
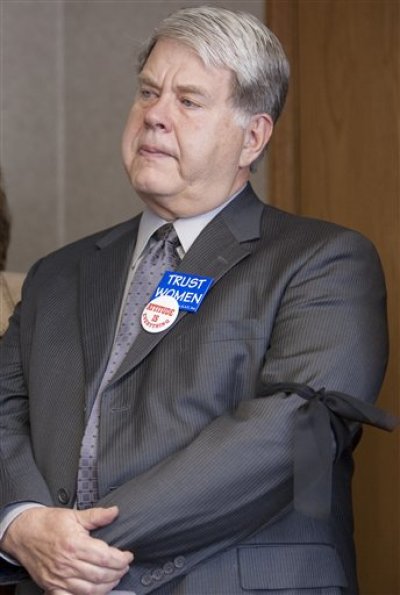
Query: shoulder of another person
(10, 286)
(10, 294)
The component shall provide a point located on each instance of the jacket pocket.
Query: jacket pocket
(290, 566)
(224, 330)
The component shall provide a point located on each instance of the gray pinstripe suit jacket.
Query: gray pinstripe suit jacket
(200, 466)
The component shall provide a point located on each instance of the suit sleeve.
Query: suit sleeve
(20, 478)
(237, 475)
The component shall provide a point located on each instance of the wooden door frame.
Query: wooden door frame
(377, 510)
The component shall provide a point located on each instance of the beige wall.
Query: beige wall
(67, 72)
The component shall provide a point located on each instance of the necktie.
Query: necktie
(159, 256)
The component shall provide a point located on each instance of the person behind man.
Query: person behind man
(10, 283)
(199, 444)
(7, 299)
(4, 225)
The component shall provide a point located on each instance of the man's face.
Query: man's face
(182, 147)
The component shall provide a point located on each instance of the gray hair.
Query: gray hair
(237, 41)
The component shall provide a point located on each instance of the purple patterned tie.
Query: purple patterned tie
(159, 256)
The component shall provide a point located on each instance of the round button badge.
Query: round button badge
(160, 314)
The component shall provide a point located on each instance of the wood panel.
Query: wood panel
(283, 165)
(343, 132)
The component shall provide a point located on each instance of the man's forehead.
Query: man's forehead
(187, 51)
(187, 66)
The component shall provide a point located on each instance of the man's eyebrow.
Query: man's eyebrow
(194, 90)
(145, 79)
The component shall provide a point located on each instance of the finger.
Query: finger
(82, 578)
(71, 570)
(98, 553)
(92, 518)
(80, 587)
(76, 577)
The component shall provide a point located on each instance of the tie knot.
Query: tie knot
(167, 233)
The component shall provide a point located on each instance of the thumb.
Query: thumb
(92, 518)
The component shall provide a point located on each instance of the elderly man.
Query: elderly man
(180, 393)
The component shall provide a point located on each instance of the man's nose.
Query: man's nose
(158, 114)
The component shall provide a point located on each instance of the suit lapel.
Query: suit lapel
(102, 280)
(224, 242)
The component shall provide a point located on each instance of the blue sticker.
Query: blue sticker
(188, 290)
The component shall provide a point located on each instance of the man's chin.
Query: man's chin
(153, 183)
(156, 187)
(153, 192)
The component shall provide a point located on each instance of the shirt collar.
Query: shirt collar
(187, 229)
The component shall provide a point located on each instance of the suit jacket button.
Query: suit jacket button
(146, 580)
(63, 496)
(157, 574)
(179, 562)
(168, 568)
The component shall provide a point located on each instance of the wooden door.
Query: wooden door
(336, 156)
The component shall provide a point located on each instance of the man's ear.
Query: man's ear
(257, 134)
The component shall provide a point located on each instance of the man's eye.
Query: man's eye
(188, 102)
(146, 93)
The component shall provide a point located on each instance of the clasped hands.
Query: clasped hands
(54, 545)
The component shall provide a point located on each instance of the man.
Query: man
(199, 444)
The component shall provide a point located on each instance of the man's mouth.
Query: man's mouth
(154, 151)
